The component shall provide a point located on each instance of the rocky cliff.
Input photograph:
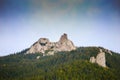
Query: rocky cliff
(100, 59)
(43, 45)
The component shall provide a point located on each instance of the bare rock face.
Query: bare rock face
(43, 44)
(63, 38)
(65, 44)
(100, 59)
(92, 59)
(43, 41)
(40, 46)
(50, 53)
(38, 57)
(108, 51)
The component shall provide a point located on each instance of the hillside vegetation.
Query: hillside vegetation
(73, 65)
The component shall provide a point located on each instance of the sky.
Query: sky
(87, 23)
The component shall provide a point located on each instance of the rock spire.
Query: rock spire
(100, 59)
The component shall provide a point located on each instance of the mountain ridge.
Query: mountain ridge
(46, 48)
(81, 63)
(26, 67)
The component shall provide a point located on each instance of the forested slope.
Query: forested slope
(73, 65)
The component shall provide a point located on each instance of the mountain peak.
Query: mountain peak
(63, 37)
(43, 44)
(43, 41)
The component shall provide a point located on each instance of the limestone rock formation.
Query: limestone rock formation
(64, 44)
(40, 46)
(43, 44)
(38, 57)
(92, 59)
(100, 59)
(108, 51)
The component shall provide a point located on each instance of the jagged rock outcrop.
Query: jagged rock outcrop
(108, 51)
(38, 57)
(43, 45)
(64, 44)
(40, 46)
(100, 59)
(92, 59)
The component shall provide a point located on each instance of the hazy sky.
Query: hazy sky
(87, 23)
